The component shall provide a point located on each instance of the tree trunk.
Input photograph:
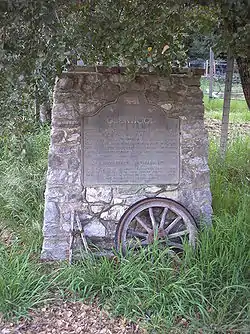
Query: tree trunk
(45, 112)
(244, 70)
(37, 110)
(211, 73)
(226, 103)
(37, 105)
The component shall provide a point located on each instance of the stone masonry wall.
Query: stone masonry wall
(81, 94)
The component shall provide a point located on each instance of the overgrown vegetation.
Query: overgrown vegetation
(207, 290)
(22, 284)
(23, 161)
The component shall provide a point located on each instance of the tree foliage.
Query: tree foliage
(37, 36)
(231, 30)
(40, 38)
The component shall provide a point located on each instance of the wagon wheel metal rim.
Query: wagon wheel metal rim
(152, 216)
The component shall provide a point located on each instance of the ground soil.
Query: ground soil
(70, 318)
(235, 129)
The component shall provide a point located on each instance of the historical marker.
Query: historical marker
(130, 142)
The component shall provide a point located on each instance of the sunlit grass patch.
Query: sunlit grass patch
(238, 109)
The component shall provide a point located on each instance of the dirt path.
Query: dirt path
(70, 318)
(235, 129)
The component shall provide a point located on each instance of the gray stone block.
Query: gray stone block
(94, 229)
(51, 212)
(99, 194)
(114, 213)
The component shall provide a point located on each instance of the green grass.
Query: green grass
(22, 184)
(239, 112)
(23, 161)
(230, 179)
(22, 283)
(209, 288)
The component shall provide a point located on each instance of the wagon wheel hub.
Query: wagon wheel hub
(159, 234)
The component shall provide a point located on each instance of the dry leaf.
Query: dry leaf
(166, 47)
(70, 318)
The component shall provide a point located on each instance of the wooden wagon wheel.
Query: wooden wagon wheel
(153, 219)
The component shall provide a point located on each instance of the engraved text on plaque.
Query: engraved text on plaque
(130, 142)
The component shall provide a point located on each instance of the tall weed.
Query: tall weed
(208, 289)
(230, 178)
(22, 182)
(22, 284)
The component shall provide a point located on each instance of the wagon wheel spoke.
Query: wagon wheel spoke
(177, 234)
(134, 233)
(163, 217)
(175, 245)
(141, 222)
(171, 225)
(144, 243)
(171, 244)
(136, 243)
(152, 218)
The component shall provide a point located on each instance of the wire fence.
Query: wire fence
(218, 79)
(219, 86)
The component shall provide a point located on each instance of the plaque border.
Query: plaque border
(82, 117)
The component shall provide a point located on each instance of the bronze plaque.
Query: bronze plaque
(130, 142)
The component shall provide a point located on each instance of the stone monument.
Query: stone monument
(115, 142)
